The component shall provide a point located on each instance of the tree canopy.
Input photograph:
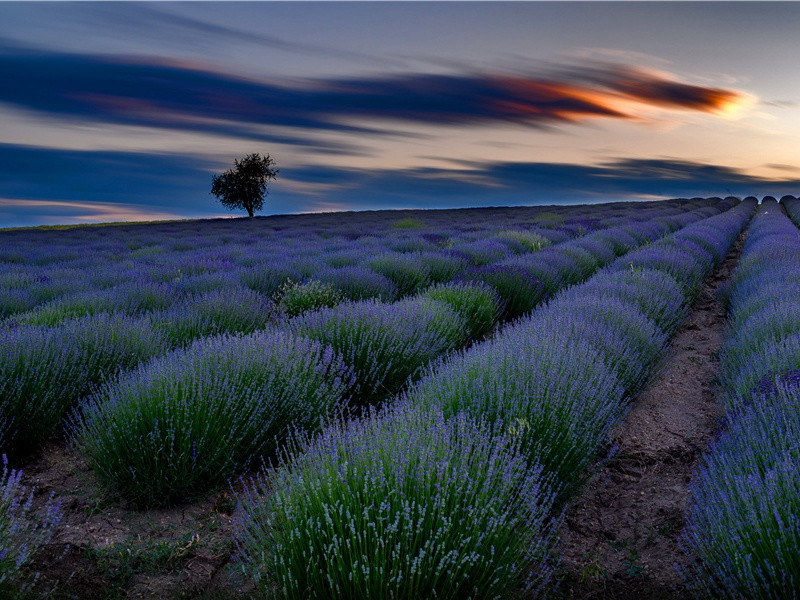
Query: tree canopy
(245, 185)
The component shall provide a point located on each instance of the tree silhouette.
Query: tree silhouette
(245, 185)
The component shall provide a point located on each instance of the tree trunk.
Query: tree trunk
(249, 212)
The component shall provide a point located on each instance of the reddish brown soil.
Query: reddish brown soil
(621, 534)
(104, 549)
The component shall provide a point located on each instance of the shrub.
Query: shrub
(765, 328)
(763, 292)
(600, 248)
(359, 283)
(407, 243)
(266, 278)
(205, 282)
(519, 290)
(57, 311)
(297, 298)
(346, 257)
(477, 303)
(14, 301)
(657, 294)
(406, 271)
(482, 252)
(442, 267)
(520, 241)
(140, 297)
(385, 344)
(555, 391)
(554, 236)
(677, 262)
(617, 329)
(21, 535)
(407, 223)
(44, 371)
(226, 310)
(743, 526)
(399, 504)
(179, 426)
(618, 238)
(549, 269)
(583, 262)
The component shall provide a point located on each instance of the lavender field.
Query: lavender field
(403, 404)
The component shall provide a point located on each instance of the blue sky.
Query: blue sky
(120, 111)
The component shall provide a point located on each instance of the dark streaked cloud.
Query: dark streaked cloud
(653, 87)
(507, 183)
(187, 96)
(153, 181)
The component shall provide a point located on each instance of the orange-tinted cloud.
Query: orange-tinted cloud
(657, 88)
(529, 99)
(170, 94)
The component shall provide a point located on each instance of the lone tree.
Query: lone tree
(245, 185)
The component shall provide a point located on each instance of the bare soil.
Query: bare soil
(621, 534)
(104, 549)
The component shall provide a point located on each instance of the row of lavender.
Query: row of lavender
(743, 528)
(46, 276)
(451, 491)
(81, 352)
(182, 424)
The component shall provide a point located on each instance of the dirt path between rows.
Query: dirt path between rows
(621, 534)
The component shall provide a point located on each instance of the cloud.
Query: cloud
(155, 181)
(655, 88)
(16, 212)
(178, 95)
(515, 183)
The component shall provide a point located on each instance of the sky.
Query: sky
(124, 111)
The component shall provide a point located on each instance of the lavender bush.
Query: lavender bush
(267, 278)
(477, 303)
(407, 272)
(518, 289)
(555, 392)
(743, 527)
(359, 283)
(385, 344)
(441, 267)
(656, 293)
(133, 299)
(21, 532)
(44, 371)
(520, 241)
(182, 424)
(226, 310)
(399, 504)
(764, 337)
(296, 298)
(481, 251)
(618, 329)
